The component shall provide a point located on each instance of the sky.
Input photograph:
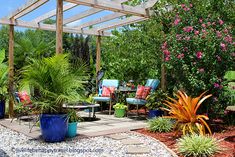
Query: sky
(9, 6)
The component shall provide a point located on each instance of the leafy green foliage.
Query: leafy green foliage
(73, 116)
(197, 145)
(132, 54)
(3, 75)
(55, 81)
(155, 100)
(159, 124)
(120, 106)
(33, 44)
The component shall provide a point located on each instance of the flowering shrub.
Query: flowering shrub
(198, 51)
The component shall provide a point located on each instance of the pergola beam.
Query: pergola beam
(48, 27)
(82, 15)
(119, 23)
(88, 13)
(146, 5)
(100, 20)
(53, 13)
(27, 8)
(112, 6)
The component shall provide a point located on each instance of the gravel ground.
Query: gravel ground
(16, 144)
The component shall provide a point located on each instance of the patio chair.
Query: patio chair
(110, 98)
(153, 83)
(24, 110)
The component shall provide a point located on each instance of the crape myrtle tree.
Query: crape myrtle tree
(199, 48)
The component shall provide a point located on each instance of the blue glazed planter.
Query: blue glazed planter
(72, 130)
(155, 113)
(53, 127)
(2, 109)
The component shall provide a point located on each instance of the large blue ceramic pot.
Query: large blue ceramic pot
(53, 127)
(2, 109)
(155, 113)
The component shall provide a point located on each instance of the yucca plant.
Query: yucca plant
(198, 146)
(184, 111)
(55, 81)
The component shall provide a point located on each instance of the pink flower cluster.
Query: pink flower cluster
(185, 7)
(188, 29)
(166, 51)
(223, 46)
(217, 85)
(199, 54)
(201, 70)
(180, 56)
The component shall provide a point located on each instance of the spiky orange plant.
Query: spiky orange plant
(184, 111)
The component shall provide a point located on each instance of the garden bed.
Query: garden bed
(227, 137)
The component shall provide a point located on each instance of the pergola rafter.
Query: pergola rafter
(87, 13)
(112, 6)
(53, 13)
(27, 8)
(135, 14)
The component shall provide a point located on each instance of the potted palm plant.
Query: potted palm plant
(73, 119)
(3, 83)
(120, 110)
(154, 102)
(55, 81)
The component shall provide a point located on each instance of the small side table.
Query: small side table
(91, 106)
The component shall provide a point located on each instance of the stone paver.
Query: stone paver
(108, 124)
(117, 137)
(137, 150)
(131, 141)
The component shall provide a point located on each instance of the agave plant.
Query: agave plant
(55, 81)
(184, 111)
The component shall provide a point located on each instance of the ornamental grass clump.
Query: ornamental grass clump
(197, 145)
(184, 111)
(160, 125)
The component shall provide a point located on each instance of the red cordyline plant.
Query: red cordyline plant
(184, 111)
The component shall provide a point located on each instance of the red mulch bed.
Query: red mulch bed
(226, 135)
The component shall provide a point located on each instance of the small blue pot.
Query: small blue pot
(72, 130)
(2, 109)
(53, 127)
(155, 113)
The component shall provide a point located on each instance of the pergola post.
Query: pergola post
(59, 27)
(11, 70)
(98, 52)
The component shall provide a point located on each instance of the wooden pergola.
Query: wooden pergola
(135, 14)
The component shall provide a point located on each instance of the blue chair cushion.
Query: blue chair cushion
(108, 83)
(153, 83)
(101, 99)
(136, 101)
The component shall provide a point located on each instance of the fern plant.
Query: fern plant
(197, 145)
(160, 125)
(55, 82)
(184, 111)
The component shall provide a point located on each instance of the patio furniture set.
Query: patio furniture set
(113, 88)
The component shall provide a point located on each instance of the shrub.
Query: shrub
(197, 145)
(184, 111)
(120, 106)
(160, 125)
(198, 51)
